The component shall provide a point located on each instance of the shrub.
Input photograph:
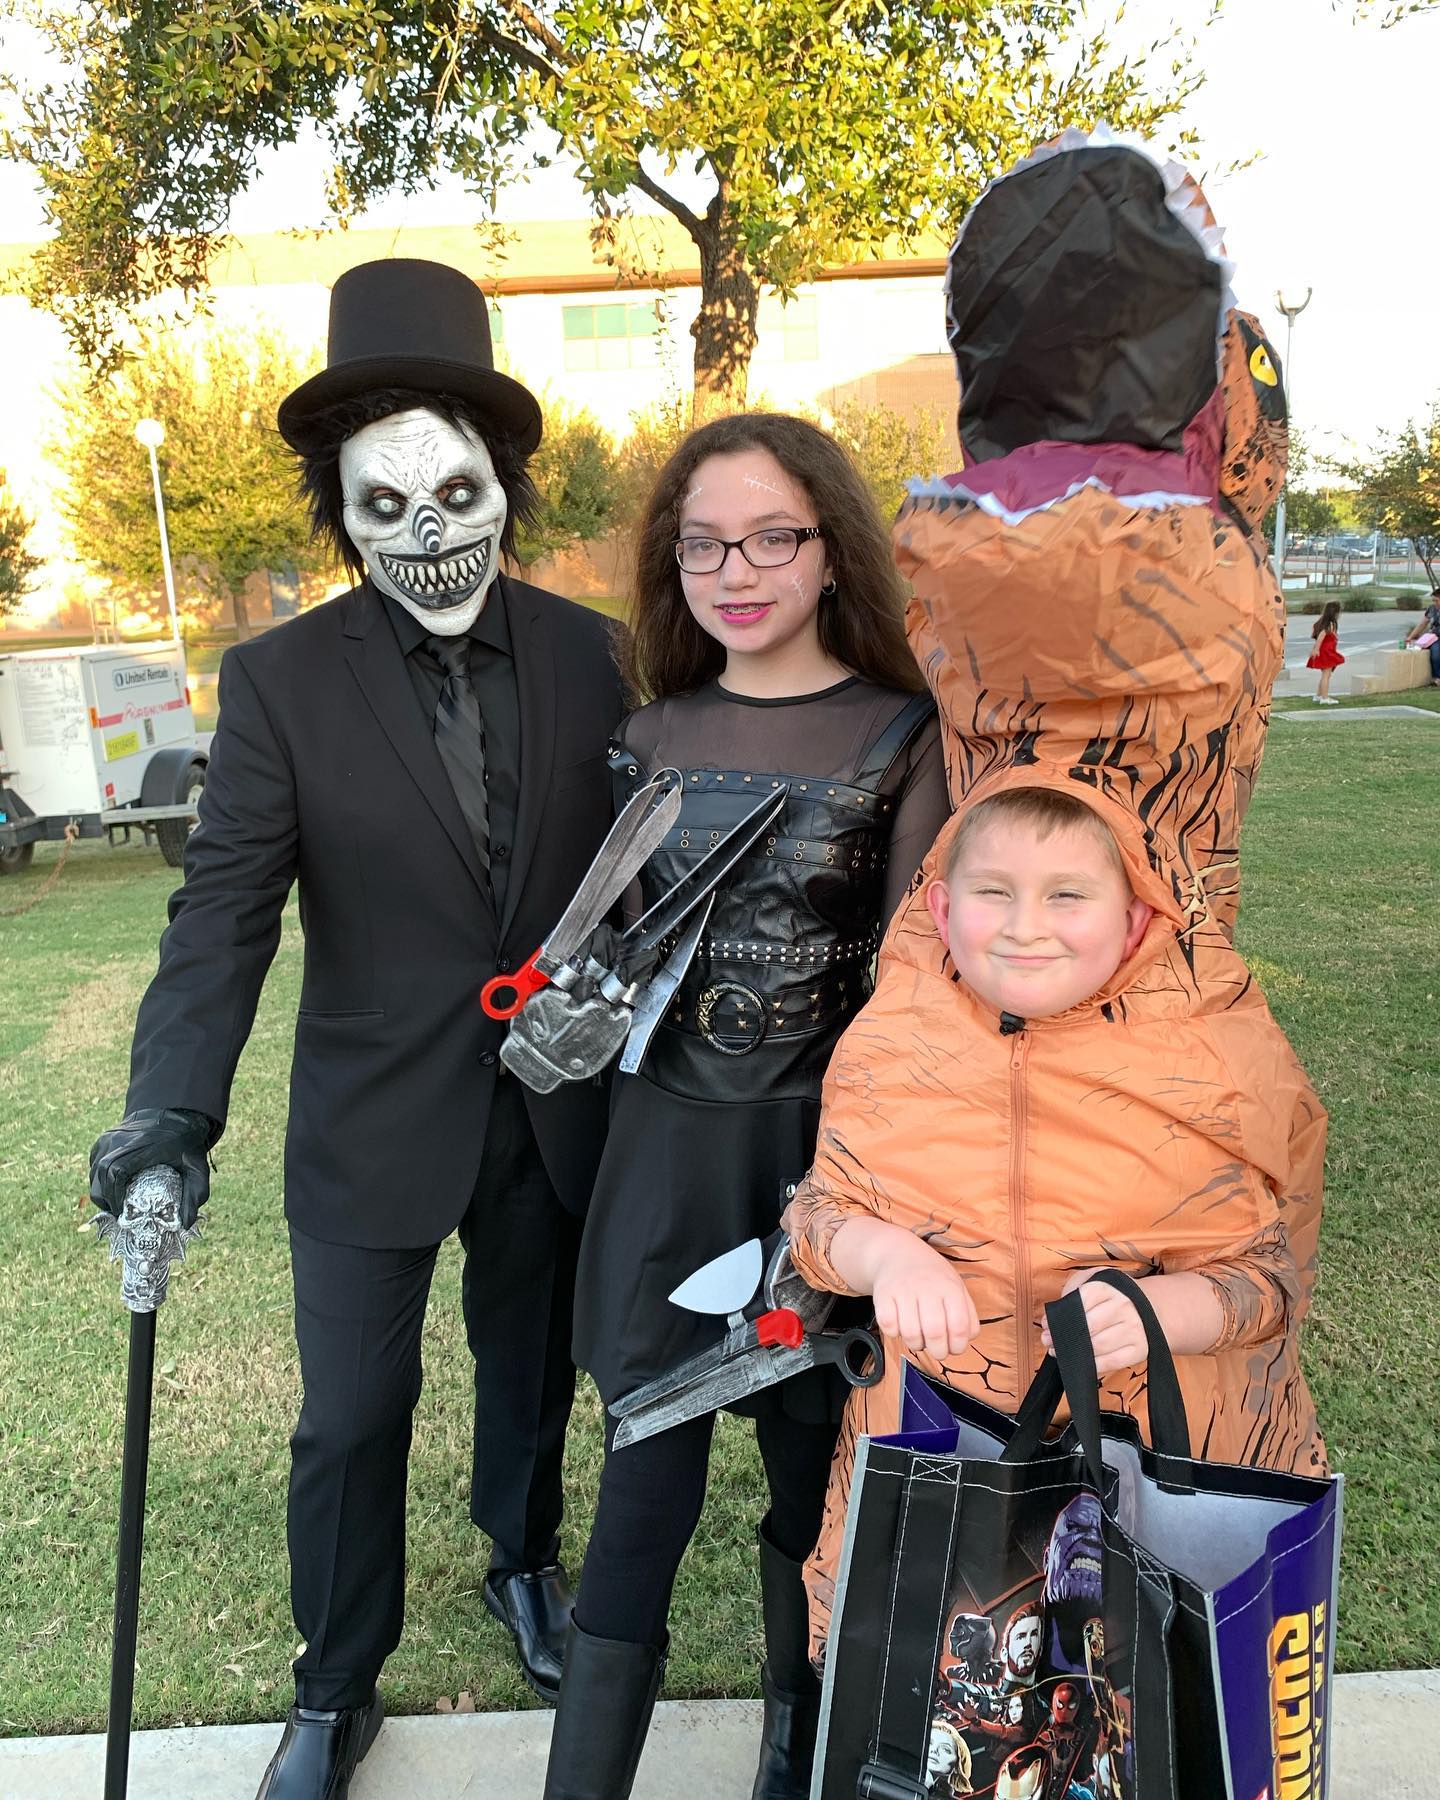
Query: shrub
(889, 447)
(655, 435)
(1352, 599)
(577, 473)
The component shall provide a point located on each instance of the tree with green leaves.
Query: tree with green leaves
(18, 564)
(231, 502)
(890, 447)
(1391, 12)
(1310, 511)
(821, 131)
(1398, 487)
(577, 476)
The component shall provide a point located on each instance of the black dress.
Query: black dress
(722, 1116)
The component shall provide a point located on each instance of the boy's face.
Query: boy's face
(1035, 925)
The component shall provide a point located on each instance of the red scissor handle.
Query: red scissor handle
(526, 980)
(780, 1327)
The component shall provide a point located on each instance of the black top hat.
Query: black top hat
(411, 324)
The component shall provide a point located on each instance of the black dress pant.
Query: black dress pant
(358, 1318)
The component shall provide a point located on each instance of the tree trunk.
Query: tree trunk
(241, 612)
(725, 328)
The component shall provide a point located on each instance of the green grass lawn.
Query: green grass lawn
(1342, 861)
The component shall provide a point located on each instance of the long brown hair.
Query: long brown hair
(861, 625)
(1329, 619)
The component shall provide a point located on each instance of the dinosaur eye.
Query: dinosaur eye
(1262, 368)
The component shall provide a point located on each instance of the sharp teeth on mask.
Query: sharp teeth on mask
(425, 579)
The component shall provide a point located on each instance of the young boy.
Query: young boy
(1037, 913)
(1043, 1092)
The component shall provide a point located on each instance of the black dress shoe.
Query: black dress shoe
(320, 1751)
(534, 1607)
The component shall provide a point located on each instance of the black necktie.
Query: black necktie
(460, 737)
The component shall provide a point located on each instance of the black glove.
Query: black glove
(155, 1137)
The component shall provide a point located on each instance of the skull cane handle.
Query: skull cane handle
(147, 1237)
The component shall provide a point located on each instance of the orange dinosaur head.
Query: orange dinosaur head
(1088, 302)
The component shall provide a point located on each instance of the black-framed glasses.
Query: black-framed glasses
(769, 549)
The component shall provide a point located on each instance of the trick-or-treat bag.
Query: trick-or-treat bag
(1079, 1617)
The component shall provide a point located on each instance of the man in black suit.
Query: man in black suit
(425, 756)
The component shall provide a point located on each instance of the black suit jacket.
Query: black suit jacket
(324, 770)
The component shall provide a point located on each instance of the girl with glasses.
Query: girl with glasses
(767, 640)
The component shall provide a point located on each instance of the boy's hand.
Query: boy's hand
(922, 1300)
(1116, 1334)
(1186, 1305)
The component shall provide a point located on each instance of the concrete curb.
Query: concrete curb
(1386, 1746)
(1328, 715)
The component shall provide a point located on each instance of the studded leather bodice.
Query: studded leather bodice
(785, 960)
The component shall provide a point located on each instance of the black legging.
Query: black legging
(651, 1495)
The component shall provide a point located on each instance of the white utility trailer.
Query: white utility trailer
(101, 737)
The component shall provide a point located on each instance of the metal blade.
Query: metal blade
(640, 829)
(734, 1378)
(708, 873)
(661, 988)
(684, 1375)
(786, 1286)
(725, 1284)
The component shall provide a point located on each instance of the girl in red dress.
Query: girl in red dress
(1326, 655)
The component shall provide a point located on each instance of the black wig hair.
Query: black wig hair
(326, 429)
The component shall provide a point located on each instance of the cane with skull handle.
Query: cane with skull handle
(145, 1239)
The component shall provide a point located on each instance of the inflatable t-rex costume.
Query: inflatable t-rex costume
(1095, 612)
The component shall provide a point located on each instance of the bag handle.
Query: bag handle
(928, 1519)
(1070, 1371)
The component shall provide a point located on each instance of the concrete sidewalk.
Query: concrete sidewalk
(1386, 1746)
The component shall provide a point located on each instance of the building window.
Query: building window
(788, 333)
(497, 325)
(612, 337)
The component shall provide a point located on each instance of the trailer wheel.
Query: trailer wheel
(16, 858)
(170, 834)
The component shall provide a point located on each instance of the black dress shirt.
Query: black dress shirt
(492, 674)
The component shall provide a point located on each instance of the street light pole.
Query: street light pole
(151, 433)
(1292, 313)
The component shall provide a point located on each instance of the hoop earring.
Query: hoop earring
(827, 588)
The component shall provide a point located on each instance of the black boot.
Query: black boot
(606, 1698)
(320, 1751)
(790, 1686)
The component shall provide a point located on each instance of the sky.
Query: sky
(1339, 117)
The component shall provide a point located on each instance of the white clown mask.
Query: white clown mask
(424, 508)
